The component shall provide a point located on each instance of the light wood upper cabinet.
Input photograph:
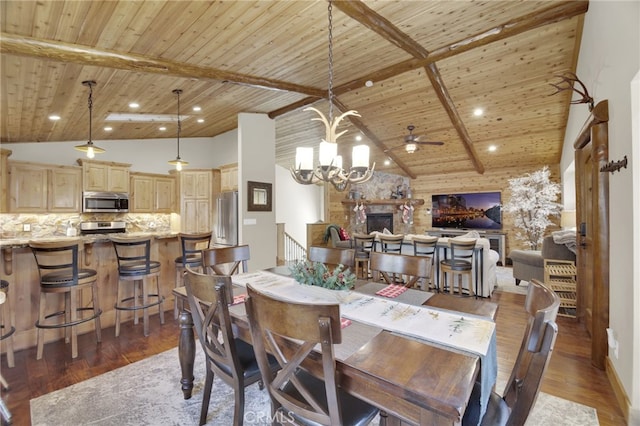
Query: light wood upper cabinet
(152, 193)
(105, 176)
(196, 199)
(165, 192)
(42, 188)
(65, 189)
(229, 177)
(4, 180)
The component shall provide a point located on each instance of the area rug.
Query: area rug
(506, 282)
(148, 393)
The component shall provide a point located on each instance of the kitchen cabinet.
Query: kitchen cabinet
(195, 188)
(104, 176)
(229, 177)
(43, 188)
(4, 180)
(151, 193)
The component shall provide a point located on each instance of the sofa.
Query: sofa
(529, 264)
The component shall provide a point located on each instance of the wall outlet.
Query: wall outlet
(26, 227)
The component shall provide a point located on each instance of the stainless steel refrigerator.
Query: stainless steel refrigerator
(226, 230)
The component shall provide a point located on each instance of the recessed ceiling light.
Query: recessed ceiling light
(108, 129)
(197, 108)
(134, 105)
(162, 129)
(478, 112)
(387, 162)
(358, 138)
(54, 117)
(492, 148)
(368, 83)
(200, 120)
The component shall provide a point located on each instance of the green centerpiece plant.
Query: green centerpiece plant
(318, 274)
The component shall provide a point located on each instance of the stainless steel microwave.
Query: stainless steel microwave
(105, 202)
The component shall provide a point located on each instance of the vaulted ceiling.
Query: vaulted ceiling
(431, 63)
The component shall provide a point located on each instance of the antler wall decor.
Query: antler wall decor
(614, 166)
(568, 83)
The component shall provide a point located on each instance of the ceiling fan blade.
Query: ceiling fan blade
(429, 143)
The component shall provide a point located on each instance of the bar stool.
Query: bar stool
(7, 322)
(5, 414)
(191, 246)
(135, 265)
(391, 243)
(60, 274)
(460, 263)
(364, 245)
(426, 246)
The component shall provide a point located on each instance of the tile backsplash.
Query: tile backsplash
(54, 225)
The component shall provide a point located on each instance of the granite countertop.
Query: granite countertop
(87, 239)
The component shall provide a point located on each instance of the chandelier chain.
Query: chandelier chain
(330, 62)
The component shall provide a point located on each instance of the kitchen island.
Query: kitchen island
(19, 269)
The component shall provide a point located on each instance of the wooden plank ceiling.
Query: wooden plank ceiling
(431, 64)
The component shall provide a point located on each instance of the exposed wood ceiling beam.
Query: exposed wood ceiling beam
(449, 106)
(370, 19)
(552, 14)
(83, 55)
(373, 138)
(292, 107)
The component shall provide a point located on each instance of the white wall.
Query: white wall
(257, 156)
(609, 59)
(297, 204)
(144, 155)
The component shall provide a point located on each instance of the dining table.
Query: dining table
(412, 379)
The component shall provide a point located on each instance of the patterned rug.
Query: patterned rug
(507, 283)
(148, 393)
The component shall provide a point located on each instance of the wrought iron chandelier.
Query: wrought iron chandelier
(89, 147)
(330, 167)
(178, 162)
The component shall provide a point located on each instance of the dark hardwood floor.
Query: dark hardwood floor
(570, 374)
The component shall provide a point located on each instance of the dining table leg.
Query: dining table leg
(186, 352)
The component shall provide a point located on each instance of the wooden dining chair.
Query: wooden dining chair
(458, 262)
(275, 326)
(523, 386)
(231, 358)
(226, 260)
(332, 256)
(400, 269)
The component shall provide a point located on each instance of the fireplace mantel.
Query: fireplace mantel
(390, 202)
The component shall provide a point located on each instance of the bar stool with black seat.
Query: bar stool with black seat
(364, 244)
(458, 262)
(5, 414)
(391, 243)
(135, 265)
(60, 274)
(7, 322)
(191, 246)
(426, 246)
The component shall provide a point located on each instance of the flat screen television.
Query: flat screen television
(477, 210)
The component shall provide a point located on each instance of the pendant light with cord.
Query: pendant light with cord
(89, 147)
(178, 162)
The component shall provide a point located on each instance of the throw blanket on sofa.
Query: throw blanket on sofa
(568, 238)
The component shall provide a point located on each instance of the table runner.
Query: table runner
(447, 328)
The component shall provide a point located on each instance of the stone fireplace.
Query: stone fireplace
(379, 221)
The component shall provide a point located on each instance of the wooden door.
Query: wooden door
(584, 259)
(592, 191)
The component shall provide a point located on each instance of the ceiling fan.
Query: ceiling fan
(412, 141)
